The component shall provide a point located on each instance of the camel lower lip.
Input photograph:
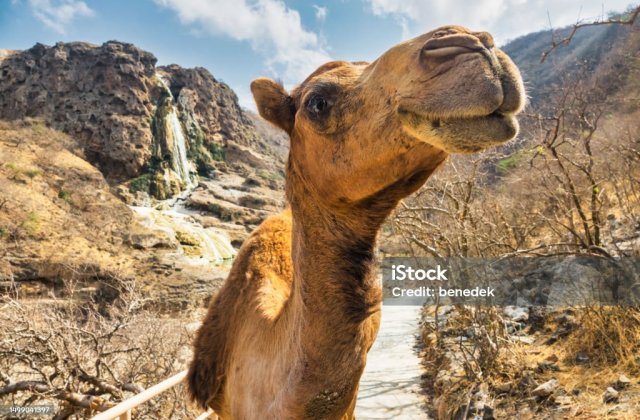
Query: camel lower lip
(502, 126)
(439, 122)
(496, 116)
(471, 133)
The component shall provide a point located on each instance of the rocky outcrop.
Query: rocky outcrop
(232, 200)
(103, 96)
(135, 133)
(128, 114)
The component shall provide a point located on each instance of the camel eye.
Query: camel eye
(317, 105)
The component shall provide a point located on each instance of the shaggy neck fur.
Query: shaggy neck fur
(336, 296)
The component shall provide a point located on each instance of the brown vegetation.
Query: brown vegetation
(81, 357)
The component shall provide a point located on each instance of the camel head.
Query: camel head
(357, 129)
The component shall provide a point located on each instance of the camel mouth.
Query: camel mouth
(461, 134)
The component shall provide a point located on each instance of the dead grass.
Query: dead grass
(609, 336)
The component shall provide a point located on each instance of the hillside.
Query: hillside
(595, 52)
(115, 169)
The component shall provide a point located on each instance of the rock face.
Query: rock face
(103, 96)
(92, 126)
(129, 115)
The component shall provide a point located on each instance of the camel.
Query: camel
(287, 335)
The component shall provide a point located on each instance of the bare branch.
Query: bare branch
(630, 20)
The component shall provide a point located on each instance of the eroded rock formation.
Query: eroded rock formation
(128, 114)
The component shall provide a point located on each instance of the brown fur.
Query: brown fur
(288, 334)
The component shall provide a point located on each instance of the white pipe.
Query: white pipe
(138, 399)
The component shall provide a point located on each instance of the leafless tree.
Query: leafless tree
(82, 359)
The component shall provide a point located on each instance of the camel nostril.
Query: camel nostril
(441, 33)
(486, 39)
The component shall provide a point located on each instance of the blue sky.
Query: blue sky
(239, 40)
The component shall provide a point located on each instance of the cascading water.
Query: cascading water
(210, 245)
(179, 161)
(202, 245)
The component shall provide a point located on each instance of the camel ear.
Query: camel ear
(274, 103)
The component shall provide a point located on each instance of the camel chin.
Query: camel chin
(460, 134)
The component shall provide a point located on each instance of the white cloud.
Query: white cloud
(321, 12)
(57, 15)
(505, 19)
(273, 29)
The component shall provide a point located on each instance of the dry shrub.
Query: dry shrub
(464, 351)
(609, 335)
(84, 357)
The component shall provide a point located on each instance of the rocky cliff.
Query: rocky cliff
(162, 125)
(96, 143)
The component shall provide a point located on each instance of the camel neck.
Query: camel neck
(334, 246)
(335, 281)
(333, 310)
(334, 259)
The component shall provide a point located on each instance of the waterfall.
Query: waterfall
(179, 161)
(196, 245)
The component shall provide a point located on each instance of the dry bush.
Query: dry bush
(608, 335)
(84, 357)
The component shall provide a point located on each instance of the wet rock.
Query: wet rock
(186, 239)
(610, 396)
(237, 233)
(546, 388)
(152, 239)
(224, 210)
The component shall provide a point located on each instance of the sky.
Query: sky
(239, 40)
